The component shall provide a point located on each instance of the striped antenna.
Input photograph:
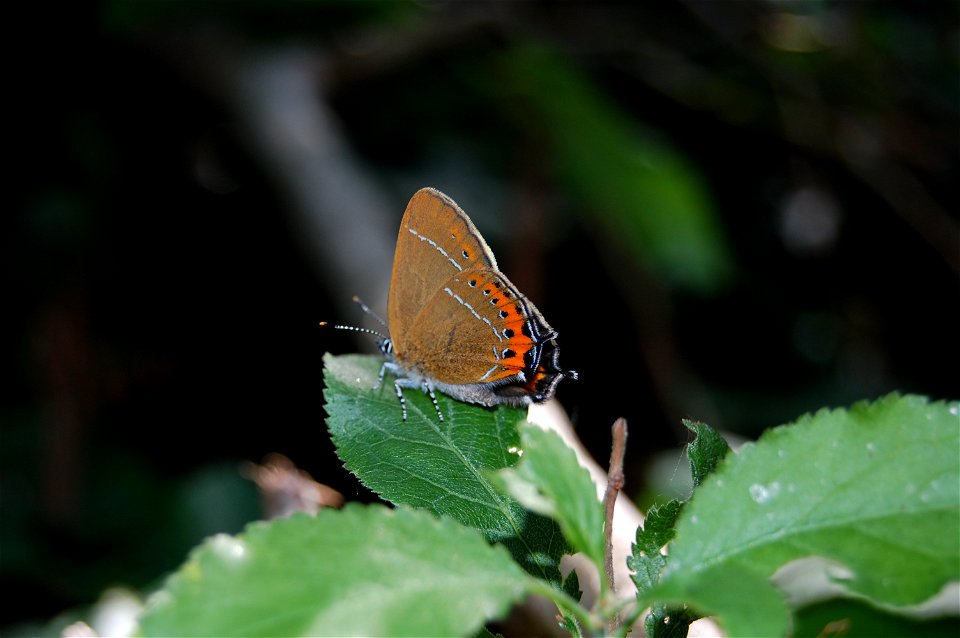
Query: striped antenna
(354, 329)
(382, 337)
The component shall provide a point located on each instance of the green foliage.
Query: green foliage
(363, 571)
(873, 491)
(856, 619)
(551, 482)
(643, 191)
(705, 452)
(646, 560)
(444, 467)
(868, 495)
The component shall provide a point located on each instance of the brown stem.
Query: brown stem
(615, 481)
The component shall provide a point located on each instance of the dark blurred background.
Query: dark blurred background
(731, 211)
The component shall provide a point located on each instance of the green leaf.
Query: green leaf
(443, 467)
(360, 571)
(550, 481)
(855, 619)
(706, 451)
(668, 622)
(873, 491)
(645, 560)
(744, 602)
(570, 587)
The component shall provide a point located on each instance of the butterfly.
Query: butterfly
(456, 323)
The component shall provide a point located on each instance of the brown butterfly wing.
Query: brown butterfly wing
(477, 328)
(436, 242)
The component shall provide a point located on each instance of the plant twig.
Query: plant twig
(615, 481)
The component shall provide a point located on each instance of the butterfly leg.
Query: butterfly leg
(403, 402)
(383, 370)
(398, 384)
(427, 388)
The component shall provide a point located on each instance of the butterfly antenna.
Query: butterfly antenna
(380, 336)
(364, 307)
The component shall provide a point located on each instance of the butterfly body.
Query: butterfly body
(456, 323)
